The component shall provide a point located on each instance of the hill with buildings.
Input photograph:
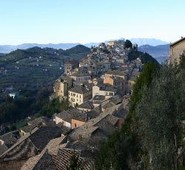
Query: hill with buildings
(36, 66)
(90, 102)
(124, 111)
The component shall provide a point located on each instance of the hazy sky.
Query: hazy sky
(57, 21)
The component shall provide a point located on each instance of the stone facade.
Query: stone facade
(58, 120)
(176, 50)
(79, 95)
(98, 90)
(61, 86)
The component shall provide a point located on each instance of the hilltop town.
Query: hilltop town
(92, 85)
(98, 89)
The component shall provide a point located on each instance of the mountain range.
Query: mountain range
(159, 52)
(148, 41)
(9, 48)
(155, 47)
(64, 46)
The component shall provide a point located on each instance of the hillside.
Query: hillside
(36, 66)
(144, 57)
(160, 52)
(1, 54)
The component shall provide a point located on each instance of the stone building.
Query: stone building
(116, 78)
(69, 67)
(79, 95)
(61, 86)
(103, 90)
(176, 50)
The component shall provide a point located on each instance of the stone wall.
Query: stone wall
(176, 51)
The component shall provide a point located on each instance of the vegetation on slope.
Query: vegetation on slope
(35, 67)
(144, 57)
(122, 150)
(152, 137)
(13, 112)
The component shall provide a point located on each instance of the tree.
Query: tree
(150, 70)
(128, 44)
(159, 119)
(144, 57)
(118, 152)
(122, 150)
(54, 106)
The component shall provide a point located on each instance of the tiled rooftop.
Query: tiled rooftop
(62, 160)
(31, 143)
(10, 138)
(79, 89)
(99, 98)
(117, 72)
(86, 105)
(86, 130)
(58, 161)
(35, 123)
(3, 148)
(43, 135)
(39, 160)
(71, 114)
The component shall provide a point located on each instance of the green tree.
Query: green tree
(118, 152)
(144, 57)
(150, 70)
(122, 150)
(128, 44)
(54, 106)
(159, 120)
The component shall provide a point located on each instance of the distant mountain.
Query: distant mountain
(36, 67)
(139, 41)
(9, 48)
(64, 46)
(159, 52)
(2, 54)
(78, 49)
(149, 41)
(6, 48)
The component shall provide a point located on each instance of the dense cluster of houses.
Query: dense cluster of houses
(98, 89)
(105, 72)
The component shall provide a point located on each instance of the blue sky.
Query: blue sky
(61, 21)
